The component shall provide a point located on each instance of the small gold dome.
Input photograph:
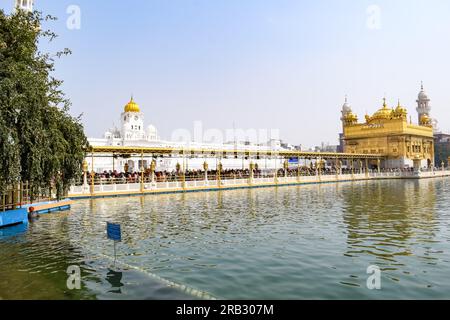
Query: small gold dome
(425, 120)
(132, 106)
(401, 111)
(351, 118)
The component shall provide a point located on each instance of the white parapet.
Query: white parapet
(179, 186)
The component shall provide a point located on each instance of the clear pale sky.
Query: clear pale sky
(281, 64)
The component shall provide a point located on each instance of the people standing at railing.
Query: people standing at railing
(115, 177)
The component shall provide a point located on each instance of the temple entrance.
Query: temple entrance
(373, 165)
(417, 165)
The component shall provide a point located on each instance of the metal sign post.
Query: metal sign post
(114, 233)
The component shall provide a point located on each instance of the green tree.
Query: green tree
(40, 142)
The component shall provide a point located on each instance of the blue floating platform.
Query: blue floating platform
(49, 206)
(20, 215)
(13, 217)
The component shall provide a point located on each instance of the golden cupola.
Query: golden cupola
(400, 112)
(350, 118)
(383, 113)
(132, 107)
(425, 120)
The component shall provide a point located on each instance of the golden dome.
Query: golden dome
(350, 117)
(383, 113)
(132, 106)
(425, 120)
(401, 111)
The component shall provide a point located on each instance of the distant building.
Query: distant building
(389, 133)
(326, 147)
(288, 146)
(340, 147)
(441, 148)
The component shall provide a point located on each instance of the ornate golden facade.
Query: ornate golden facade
(389, 133)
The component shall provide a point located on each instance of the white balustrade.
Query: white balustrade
(110, 188)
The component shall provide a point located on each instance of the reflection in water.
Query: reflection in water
(386, 219)
(11, 233)
(115, 278)
(310, 242)
(396, 227)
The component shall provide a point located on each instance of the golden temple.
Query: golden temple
(389, 133)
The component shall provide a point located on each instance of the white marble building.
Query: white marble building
(133, 133)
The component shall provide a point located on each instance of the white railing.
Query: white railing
(127, 188)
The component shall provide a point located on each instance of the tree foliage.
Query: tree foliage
(40, 142)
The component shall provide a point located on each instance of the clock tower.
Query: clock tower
(26, 5)
(132, 122)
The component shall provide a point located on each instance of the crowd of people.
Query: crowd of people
(110, 177)
(116, 177)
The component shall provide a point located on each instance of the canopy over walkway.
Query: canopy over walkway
(176, 151)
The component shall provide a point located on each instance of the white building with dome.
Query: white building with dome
(133, 133)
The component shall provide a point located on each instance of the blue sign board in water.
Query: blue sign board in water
(293, 160)
(114, 232)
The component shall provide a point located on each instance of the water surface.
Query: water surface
(305, 242)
